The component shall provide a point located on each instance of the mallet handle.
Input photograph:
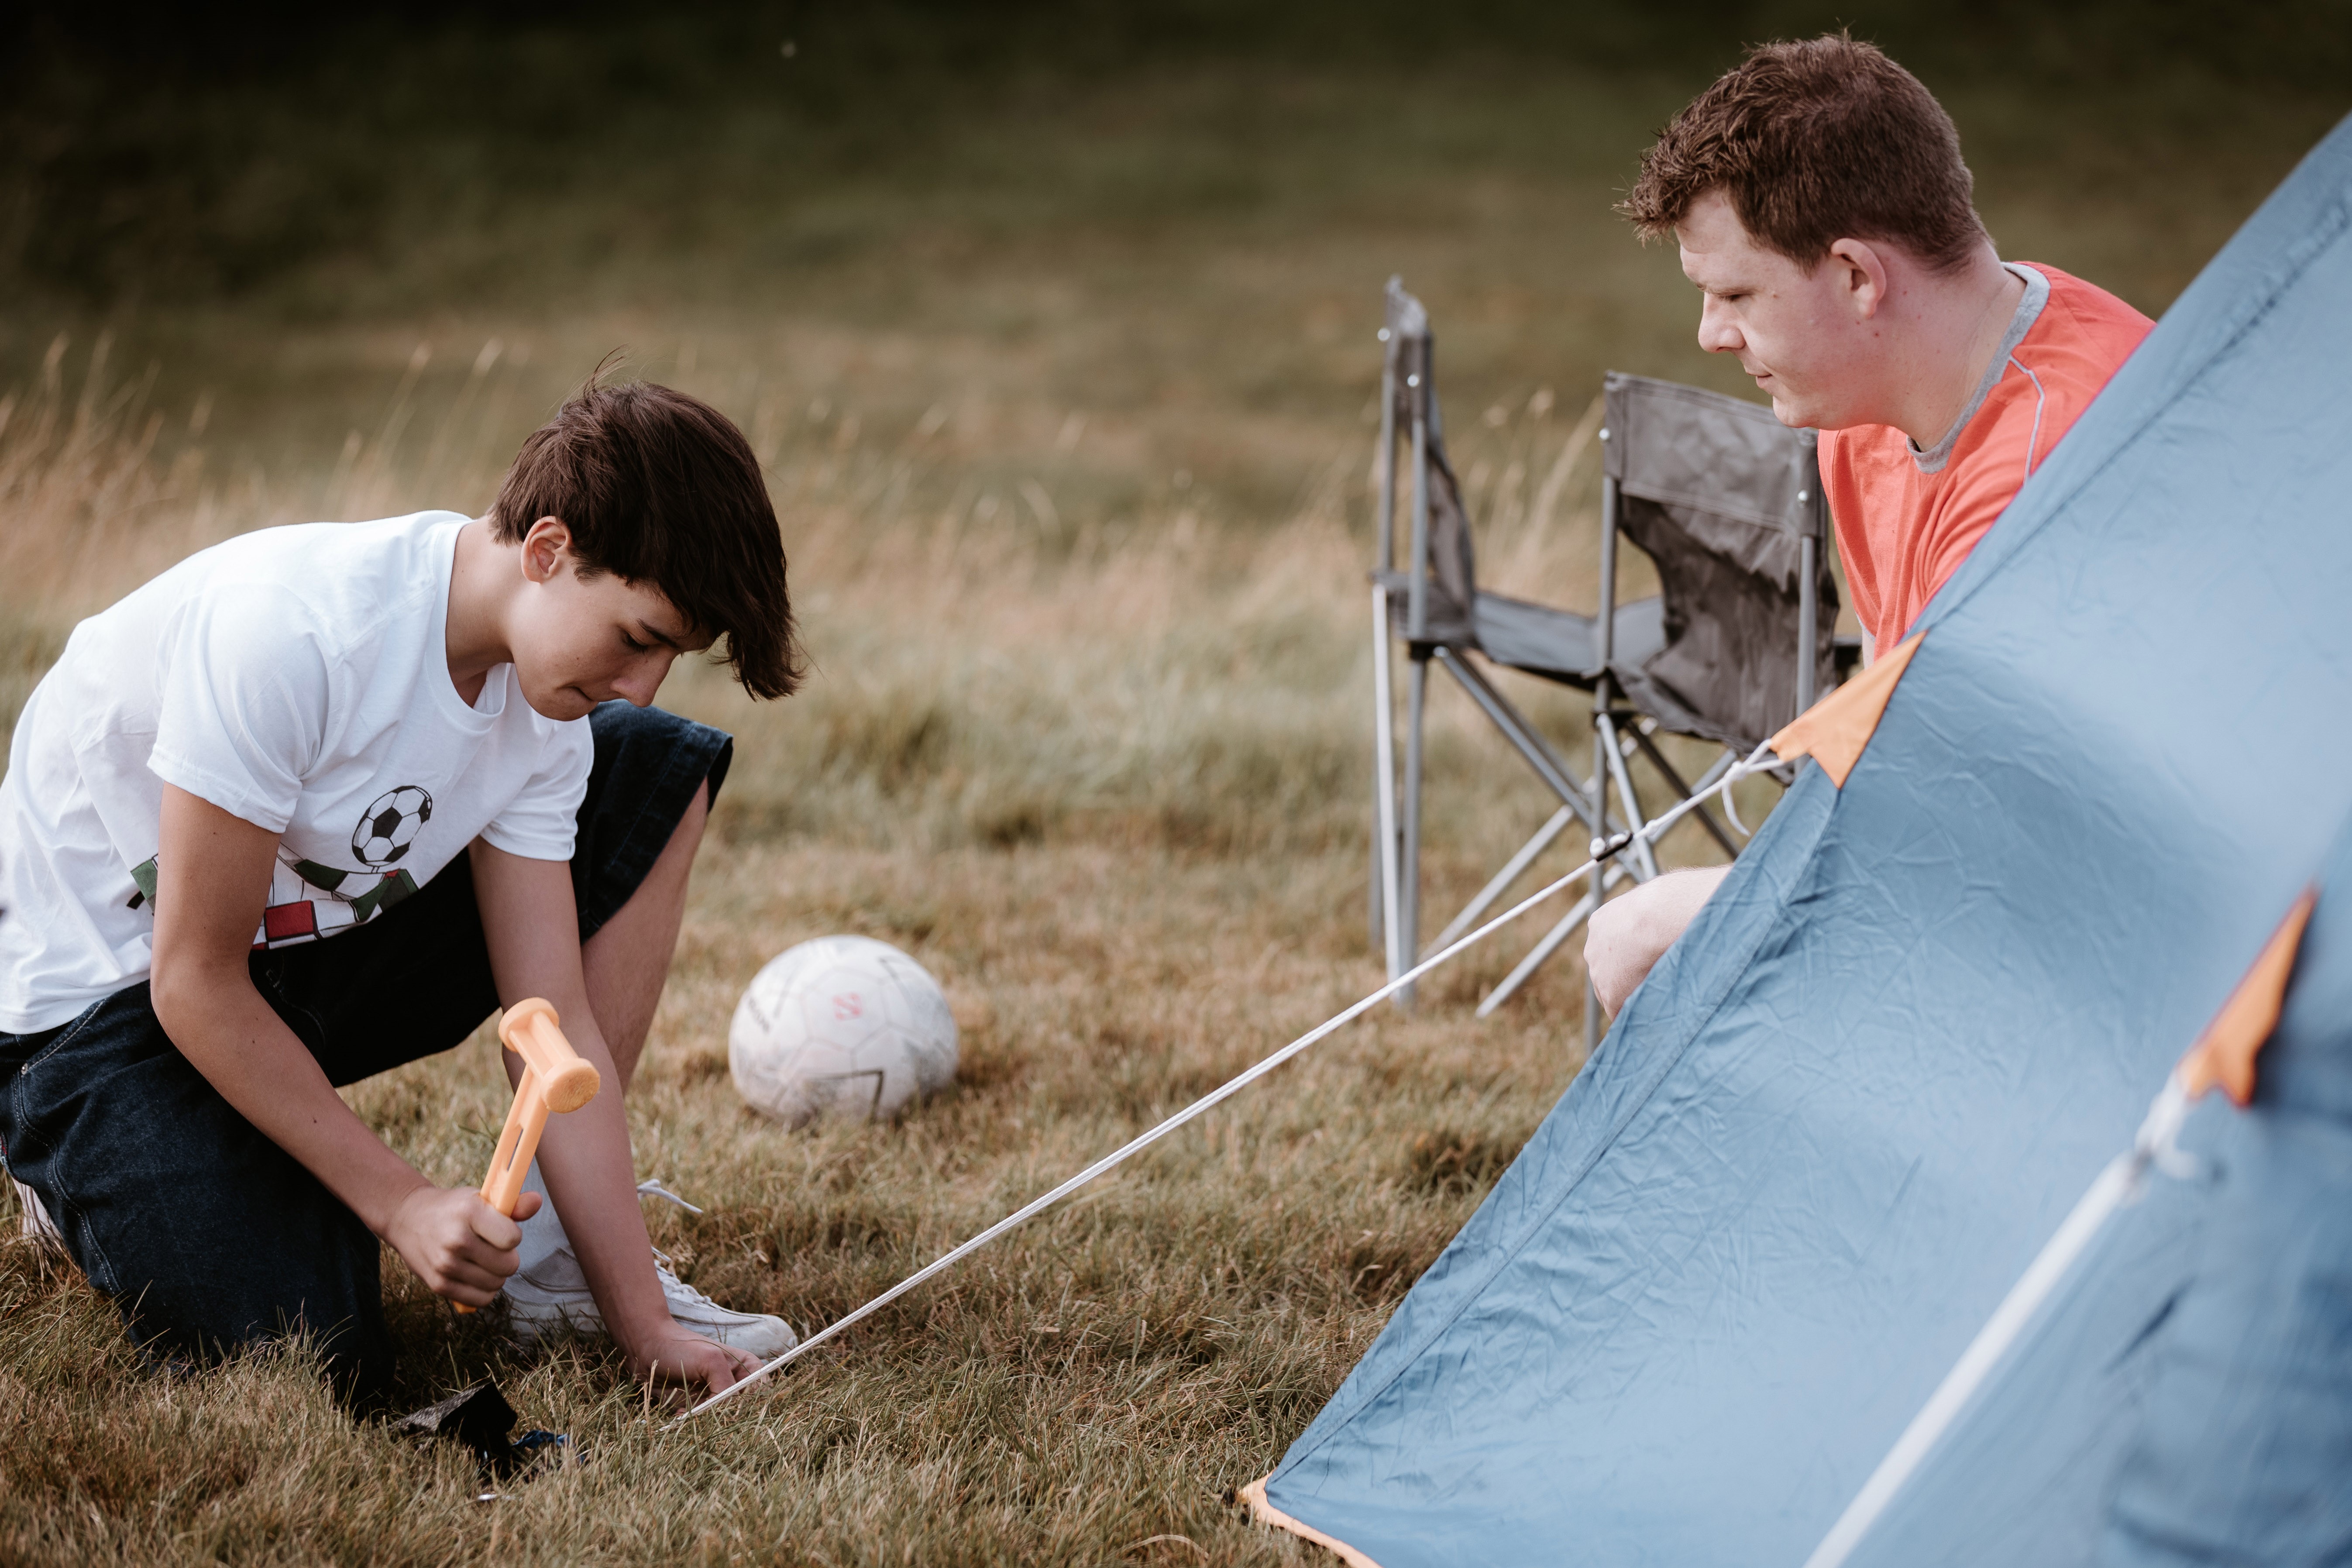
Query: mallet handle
(554, 1079)
(517, 1145)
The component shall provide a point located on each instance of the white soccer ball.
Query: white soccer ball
(842, 1025)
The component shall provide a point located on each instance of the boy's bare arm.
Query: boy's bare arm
(212, 873)
(532, 929)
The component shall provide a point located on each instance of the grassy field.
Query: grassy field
(1063, 384)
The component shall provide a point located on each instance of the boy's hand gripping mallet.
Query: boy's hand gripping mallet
(553, 1079)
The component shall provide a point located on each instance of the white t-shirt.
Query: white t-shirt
(297, 678)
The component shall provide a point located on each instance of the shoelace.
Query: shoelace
(674, 1287)
(651, 1187)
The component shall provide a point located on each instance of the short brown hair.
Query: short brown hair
(1812, 142)
(660, 488)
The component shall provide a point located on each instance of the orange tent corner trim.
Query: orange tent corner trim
(1834, 730)
(1254, 1494)
(2223, 1055)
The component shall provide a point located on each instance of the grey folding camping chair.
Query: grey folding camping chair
(1726, 503)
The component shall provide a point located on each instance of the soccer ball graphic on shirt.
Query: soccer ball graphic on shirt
(842, 1025)
(390, 825)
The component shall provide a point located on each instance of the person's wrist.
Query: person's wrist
(641, 1336)
(390, 1202)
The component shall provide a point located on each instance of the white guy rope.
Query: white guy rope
(1603, 850)
(2116, 1185)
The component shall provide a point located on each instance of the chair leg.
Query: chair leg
(1577, 803)
(1605, 737)
(1682, 790)
(1502, 880)
(1550, 942)
(1405, 937)
(1523, 738)
(1384, 888)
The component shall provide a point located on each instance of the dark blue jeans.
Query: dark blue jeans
(207, 1234)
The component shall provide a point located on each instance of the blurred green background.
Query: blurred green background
(1165, 221)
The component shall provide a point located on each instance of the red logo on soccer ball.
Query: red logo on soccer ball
(848, 1005)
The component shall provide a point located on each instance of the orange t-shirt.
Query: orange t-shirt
(1901, 530)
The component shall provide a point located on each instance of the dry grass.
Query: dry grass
(1109, 787)
(1095, 1380)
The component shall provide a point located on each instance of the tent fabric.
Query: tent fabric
(2201, 1356)
(1842, 1116)
(2241, 1450)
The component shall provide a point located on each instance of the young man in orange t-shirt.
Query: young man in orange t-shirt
(1821, 204)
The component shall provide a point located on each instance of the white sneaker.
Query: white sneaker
(553, 1296)
(37, 1226)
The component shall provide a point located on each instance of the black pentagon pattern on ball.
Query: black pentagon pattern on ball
(391, 824)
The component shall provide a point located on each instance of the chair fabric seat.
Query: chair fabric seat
(1559, 645)
(1556, 645)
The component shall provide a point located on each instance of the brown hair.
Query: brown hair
(660, 488)
(1816, 142)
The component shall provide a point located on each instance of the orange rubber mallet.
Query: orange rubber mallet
(554, 1079)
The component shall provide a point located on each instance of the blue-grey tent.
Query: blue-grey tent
(1847, 1110)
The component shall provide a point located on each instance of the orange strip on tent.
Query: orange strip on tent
(2224, 1054)
(1834, 730)
(1254, 1494)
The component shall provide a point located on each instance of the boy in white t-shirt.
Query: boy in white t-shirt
(312, 804)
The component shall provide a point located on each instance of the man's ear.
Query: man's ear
(1861, 276)
(546, 549)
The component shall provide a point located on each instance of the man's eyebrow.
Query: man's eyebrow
(653, 633)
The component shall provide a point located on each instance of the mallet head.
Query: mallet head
(532, 1031)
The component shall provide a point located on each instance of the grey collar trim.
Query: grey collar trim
(2028, 310)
